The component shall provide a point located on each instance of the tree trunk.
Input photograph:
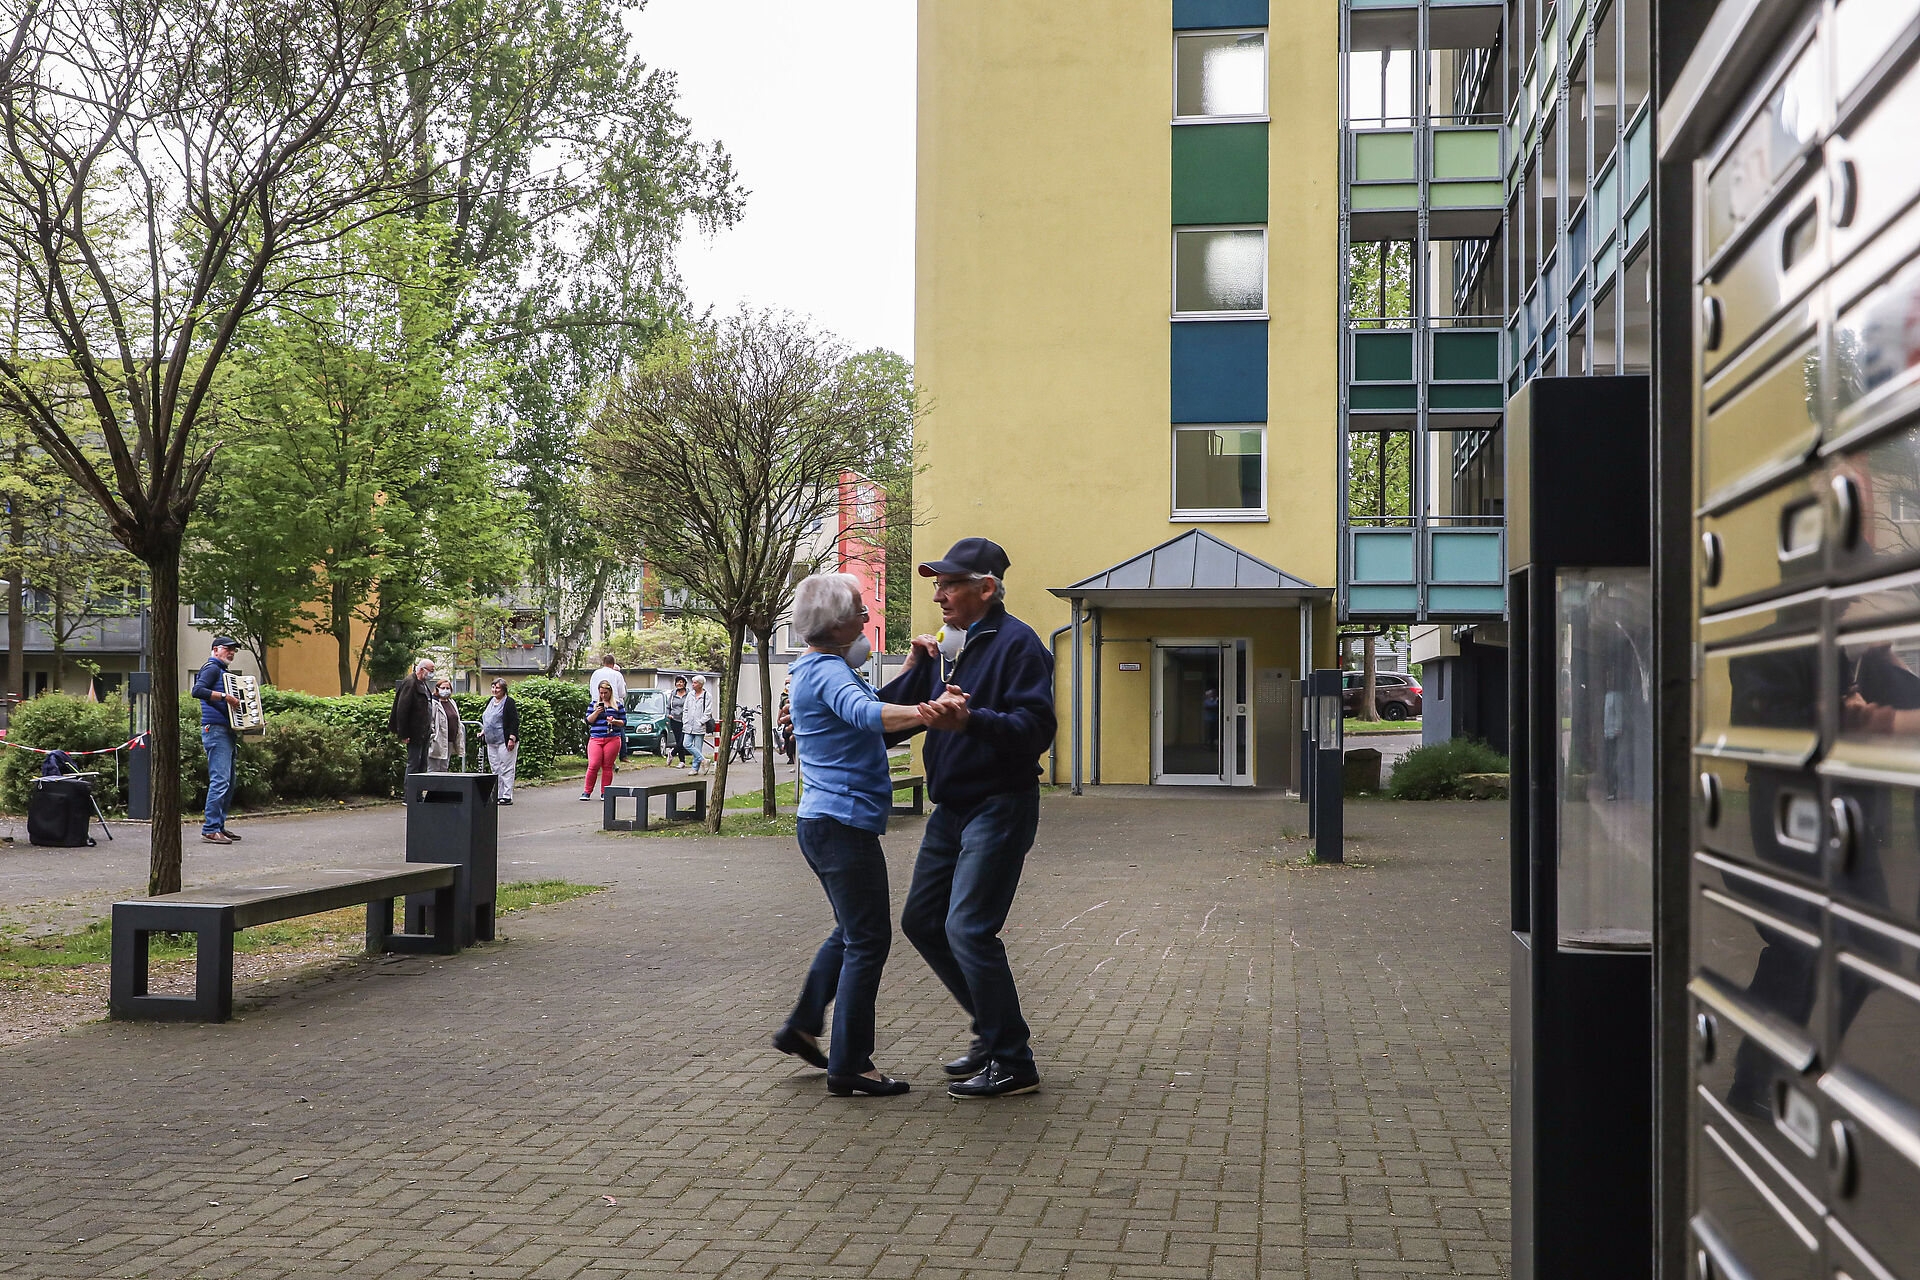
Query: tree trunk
(1368, 711)
(729, 699)
(340, 623)
(163, 872)
(768, 795)
(576, 635)
(16, 600)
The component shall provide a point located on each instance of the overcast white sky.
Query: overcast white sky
(815, 102)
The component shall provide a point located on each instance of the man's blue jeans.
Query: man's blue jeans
(218, 740)
(963, 886)
(846, 970)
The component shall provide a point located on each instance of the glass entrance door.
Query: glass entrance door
(1193, 713)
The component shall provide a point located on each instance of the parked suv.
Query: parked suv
(1395, 696)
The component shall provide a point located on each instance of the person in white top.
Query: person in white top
(611, 674)
(701, 712)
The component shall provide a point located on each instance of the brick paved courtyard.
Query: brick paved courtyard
(1250, 1070)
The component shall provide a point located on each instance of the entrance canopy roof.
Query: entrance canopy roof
(1192, 571)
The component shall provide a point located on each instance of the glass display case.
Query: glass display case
(1604, 754)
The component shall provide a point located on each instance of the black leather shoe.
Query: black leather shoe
(229, 835)
(969, 1064)
(847, 1086)
(997, 1081)
(801, 1045)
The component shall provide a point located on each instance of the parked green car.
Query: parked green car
(646, 722)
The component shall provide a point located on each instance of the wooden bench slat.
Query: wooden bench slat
(268, 899)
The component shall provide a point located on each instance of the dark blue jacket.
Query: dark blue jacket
(1008, 676)
(207, 683)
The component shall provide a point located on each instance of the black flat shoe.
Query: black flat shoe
(229, 835)
(969, 1064)
(801, 1045)
(996, 1081)
(847, 1086)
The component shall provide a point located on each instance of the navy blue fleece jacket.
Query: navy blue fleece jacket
(1008, 677)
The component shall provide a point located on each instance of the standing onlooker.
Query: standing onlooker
(606, 726)
(500, 730)
(702, 719)
(789, 745)
(449, 741)
(677, 719)
(612, 675)
(411, 718)
(217, 739)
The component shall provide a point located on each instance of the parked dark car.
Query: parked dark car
(646, 722)
(1395, 696)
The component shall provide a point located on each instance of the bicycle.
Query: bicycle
(742, 741)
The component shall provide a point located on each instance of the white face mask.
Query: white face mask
(859, 652)
(952, 641)
(445, 693)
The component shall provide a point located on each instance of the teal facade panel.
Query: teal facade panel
(1219, 174)
(1207, 15)
(1219, 371)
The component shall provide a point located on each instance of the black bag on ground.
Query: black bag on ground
(59, 812)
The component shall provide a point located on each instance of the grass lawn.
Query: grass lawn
(784, 793)
(94, 944)
(734, 824)
(1363, 727)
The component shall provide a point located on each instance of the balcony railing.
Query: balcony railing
(1457, 160)
(1456, 358)
(529, 658)
(1421, 572)
(95, 635)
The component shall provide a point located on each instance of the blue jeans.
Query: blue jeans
(846, 970)
(218, 741)
(963, 886)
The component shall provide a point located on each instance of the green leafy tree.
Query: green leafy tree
(887, 457)
(725, 449)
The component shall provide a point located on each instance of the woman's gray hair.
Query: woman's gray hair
(823, 603)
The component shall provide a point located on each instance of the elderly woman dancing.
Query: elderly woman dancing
(845, 797)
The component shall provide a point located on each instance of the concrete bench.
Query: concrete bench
(919, 785)
(611, 796)
(215, 912)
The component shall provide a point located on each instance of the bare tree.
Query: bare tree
(722, 452)
(167, 169)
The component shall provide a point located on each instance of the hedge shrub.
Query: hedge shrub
(309, 758)
(1433, 772)
(70, 724)
(566, 703)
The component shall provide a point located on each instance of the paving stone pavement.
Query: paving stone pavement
(1250, 1070)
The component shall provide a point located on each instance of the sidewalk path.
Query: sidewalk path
(1250, 1070)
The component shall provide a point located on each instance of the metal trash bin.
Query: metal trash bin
(451, 817)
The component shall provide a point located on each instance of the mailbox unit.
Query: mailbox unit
(1802, 128)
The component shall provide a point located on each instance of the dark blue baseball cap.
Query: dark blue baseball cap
(969, 555)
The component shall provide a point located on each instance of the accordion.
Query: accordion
(243, 711)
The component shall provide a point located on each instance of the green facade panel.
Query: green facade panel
(1397, 195)
(1219, 174)
(1384, 395)
(1383, 356)
(1462, 354)
(1466, 195)
(1466, 153)
(1467, 556)
(1464, 395)
(1454, 601)
(1383, 156)
(1387, 600)
(1382, 555)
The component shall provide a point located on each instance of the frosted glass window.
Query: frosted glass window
(1220, 75)
(1219, 271)
(1219, 470)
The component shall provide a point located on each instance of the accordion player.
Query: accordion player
(243, 703)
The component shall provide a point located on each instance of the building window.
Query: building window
(1220, 472)
(1220, 75)
(205, 613)
(1220, 271)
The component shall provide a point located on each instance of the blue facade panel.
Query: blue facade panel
(1219, 371)
(1201, 15)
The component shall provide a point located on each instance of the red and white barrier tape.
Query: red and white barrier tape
(136, 740)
